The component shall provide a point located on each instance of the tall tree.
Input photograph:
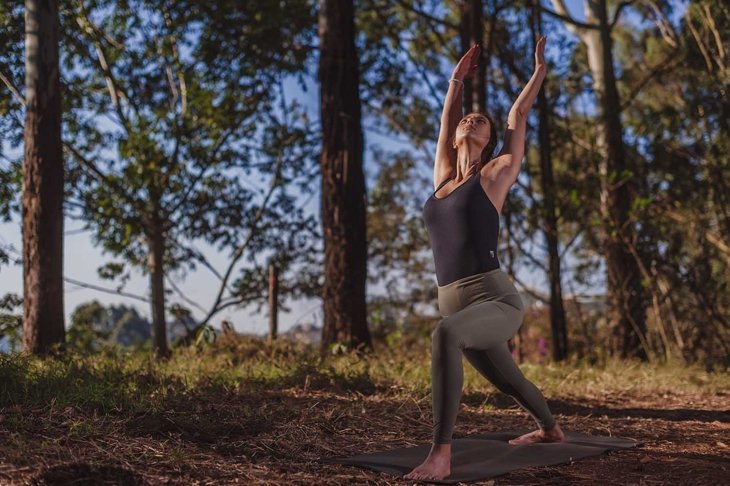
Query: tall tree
(627, 311)
(549, 217)
(343, 183)
(184, 139)
(43, 176)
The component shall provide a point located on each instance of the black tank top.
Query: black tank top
(463, 227)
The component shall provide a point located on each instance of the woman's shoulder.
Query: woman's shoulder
(486, 168)
(491, 168)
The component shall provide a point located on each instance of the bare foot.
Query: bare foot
(436, 466)
(539, 435)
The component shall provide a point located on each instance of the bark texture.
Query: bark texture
(344, 199)
(157, 243)
(43, 175)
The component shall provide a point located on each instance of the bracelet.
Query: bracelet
(457, 80)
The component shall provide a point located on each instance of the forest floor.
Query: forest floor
(122, 420)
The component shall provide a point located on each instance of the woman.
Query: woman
(480, 306)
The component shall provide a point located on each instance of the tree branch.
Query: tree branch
(176, 57)
(537, 295)
(529, 256)
(569, 244)
(182, 296)
(715, 239)
(664, 25)
(228, 303)
(115, 92)
(102, 289)
(698, 40)
(413, 61)
(574, 27)
(201, 259)
(206, 165)
(431, 20)
(119, 190)
(616, 14)
(716, 36)
(13, 89)
(429, 17)
(239, 251)
(663, 65)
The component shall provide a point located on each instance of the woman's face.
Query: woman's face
(474, 127)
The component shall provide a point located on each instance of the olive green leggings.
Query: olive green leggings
(480, 313)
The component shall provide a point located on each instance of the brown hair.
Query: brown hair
(492, 144)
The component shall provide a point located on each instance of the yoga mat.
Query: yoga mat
(484, 456)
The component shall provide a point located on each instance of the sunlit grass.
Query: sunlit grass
(117, 380)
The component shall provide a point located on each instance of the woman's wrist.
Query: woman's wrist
(456, 79)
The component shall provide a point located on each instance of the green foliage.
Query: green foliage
(401, 58)
(11, 129)
(205, 335)
(200, 117)
(680, 121)
(89, 329)
(168, 110)
(11, 322)
(95, 327)
(257, 39)
(398, 248)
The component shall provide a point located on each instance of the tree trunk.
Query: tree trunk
(273, 300)
(43, 175)
(471, 31)
(627, 302)
(549, 218)
(344, 199)
(628, 307)
(156, 239)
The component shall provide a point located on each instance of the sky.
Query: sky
(82, 258)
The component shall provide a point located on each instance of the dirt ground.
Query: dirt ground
(277, 437)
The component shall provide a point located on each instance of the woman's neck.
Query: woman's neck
(467, 160)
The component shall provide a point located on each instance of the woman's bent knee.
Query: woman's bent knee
(444, 334)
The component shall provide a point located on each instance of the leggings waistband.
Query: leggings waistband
(481, 287)
(471, 278)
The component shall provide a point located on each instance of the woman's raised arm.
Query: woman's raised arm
(452, 112)
(514, 136)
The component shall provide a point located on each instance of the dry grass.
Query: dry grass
(244, 411)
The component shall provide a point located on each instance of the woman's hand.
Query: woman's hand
(540, 53)
(468, 63)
